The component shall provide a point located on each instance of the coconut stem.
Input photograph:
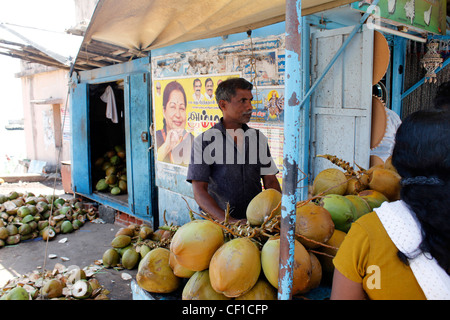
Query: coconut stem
(321, 253)
(315, 242)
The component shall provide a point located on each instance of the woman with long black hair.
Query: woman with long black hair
(401, 250)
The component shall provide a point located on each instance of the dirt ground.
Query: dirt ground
(83, 247)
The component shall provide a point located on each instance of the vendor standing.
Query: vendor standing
(229, 160)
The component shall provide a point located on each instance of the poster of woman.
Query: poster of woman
(184, 107)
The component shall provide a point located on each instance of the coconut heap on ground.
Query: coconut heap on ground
(62, 283)
(24, 216)
(220, 260)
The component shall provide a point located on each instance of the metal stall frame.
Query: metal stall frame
(297, 72)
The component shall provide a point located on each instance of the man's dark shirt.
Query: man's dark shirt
(231, 177)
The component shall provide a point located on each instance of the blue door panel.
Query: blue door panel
(138, 144)
(81, 180)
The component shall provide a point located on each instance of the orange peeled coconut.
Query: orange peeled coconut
(195, 242)
(313, 222)
(235, 267)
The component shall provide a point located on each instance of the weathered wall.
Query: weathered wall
(44, 96)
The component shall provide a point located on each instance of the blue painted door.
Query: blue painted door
(142, 192)
(81, 181)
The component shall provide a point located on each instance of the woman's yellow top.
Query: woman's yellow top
(368, 256)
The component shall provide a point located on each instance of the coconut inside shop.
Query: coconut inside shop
(330, 138)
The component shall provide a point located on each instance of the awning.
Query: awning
(143, 25)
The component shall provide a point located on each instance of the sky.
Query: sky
(52, 15)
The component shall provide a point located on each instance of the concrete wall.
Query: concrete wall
(44, 93)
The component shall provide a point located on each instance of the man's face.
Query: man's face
(209, 86)
(197, 88)
(239, 110)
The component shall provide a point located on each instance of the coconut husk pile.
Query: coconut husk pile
(24, 216)
(61, 283)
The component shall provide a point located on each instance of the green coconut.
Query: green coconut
(362, 206)
(110, 258)
(121, 241)
(17, 293)
(342, 210)
(130, 258)
(373, 198)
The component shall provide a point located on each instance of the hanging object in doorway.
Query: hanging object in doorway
(111, 108)
(431, 61)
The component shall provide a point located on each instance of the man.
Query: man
(229, 160)
(197, 96)
(209, 88)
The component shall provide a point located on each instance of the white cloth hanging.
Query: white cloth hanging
(404, 230)
(111, 108)
(384, 149)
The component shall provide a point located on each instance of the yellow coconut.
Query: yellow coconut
(374, 198)
(316, 273)
(155, 274)
(330, 181)
(361, 205)
(195, 242)
(327, 261)
(313, 222)
(270, 255)
(235, 267)
(262, 290)
(178, 269)
(199, 287)
(387, 182)
(262, 206)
